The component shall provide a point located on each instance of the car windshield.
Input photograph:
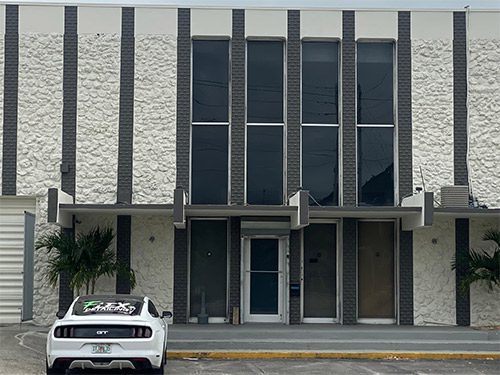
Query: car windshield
(107, 305)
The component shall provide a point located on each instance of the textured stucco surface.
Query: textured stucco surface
(39, 145)
(85, 222)
(97, 122)
(433, 279)
(432, 113)
(485, 304)
(152, 258)
(484, 114)
(154, 119)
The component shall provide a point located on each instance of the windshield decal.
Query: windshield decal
(90, 307)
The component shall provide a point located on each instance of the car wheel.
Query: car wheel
(53, 371)
(160, 370)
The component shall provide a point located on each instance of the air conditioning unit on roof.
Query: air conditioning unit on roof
(455, 196)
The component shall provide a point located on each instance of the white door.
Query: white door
(264, 265)
(11, 255)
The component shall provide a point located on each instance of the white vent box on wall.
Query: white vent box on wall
(455, 196)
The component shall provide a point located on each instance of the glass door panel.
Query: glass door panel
(208, 273)
(264, 272)
(376, 270)
(320, 284)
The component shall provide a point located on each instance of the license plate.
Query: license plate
(101, 348)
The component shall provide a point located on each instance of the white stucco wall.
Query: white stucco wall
(433, 279)
(432, 113)
(39, 145)
(484, 125)
(85, 222)
(154, 119)
(98, 115)
(152, 258)
(484, 304)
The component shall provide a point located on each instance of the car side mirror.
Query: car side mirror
(166, 314)
(60, 314)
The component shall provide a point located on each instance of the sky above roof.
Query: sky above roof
(332, 4)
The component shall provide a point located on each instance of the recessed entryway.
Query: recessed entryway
(263, 286)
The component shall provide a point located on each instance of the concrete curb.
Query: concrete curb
(331, 355)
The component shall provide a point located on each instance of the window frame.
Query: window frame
(339, 112)
(394, 43)
(282, 124)
(214, 123)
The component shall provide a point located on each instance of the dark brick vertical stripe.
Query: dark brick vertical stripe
(180, 276)
(404, 105)
(70, 75)
(461, 249)
(295, 240)
(126, 125)
(293, 102)
(238, 107)
(183, 96)
(459, 99)
(234, 266)
(405, 165)
(348, 110)
(11, 74)
(406, 278)
(123, 232)
(349, 272)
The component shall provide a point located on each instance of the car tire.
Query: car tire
(53, 371)
(160, 370)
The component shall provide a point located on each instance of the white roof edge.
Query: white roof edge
(372, 5)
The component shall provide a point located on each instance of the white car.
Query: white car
(108, 332)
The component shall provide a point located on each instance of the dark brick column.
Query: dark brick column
(182, 155)
(68, 167)
(461, 249)
(234, 266)
(10, 92)
(125, 144)
(294, 275)
(405, 165)
(180, 276)
(348, 109)
(349, 268)
(460, 99)
(238, 107)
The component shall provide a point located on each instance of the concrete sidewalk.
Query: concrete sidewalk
(331, 341)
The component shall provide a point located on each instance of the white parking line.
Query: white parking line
(21, 336)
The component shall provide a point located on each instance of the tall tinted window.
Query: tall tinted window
(210, 80)
(320, 164)
(375, 83)
(265, 82)
(265, 164)
(320, 122)
(376, 166)
(319, 83)
(209, 164)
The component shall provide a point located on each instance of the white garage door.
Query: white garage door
(12, 235)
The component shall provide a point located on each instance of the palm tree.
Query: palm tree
(85, 259)
(482, 266)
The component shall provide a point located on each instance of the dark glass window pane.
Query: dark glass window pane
(264, 293)
(264, 255)
(319, 82)
(375, 166)
(265, 82)
(210, 80)
(208, 274)
(320, 164)
(375, 83)
(265, 165)
(209, 164)
(320, 284)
